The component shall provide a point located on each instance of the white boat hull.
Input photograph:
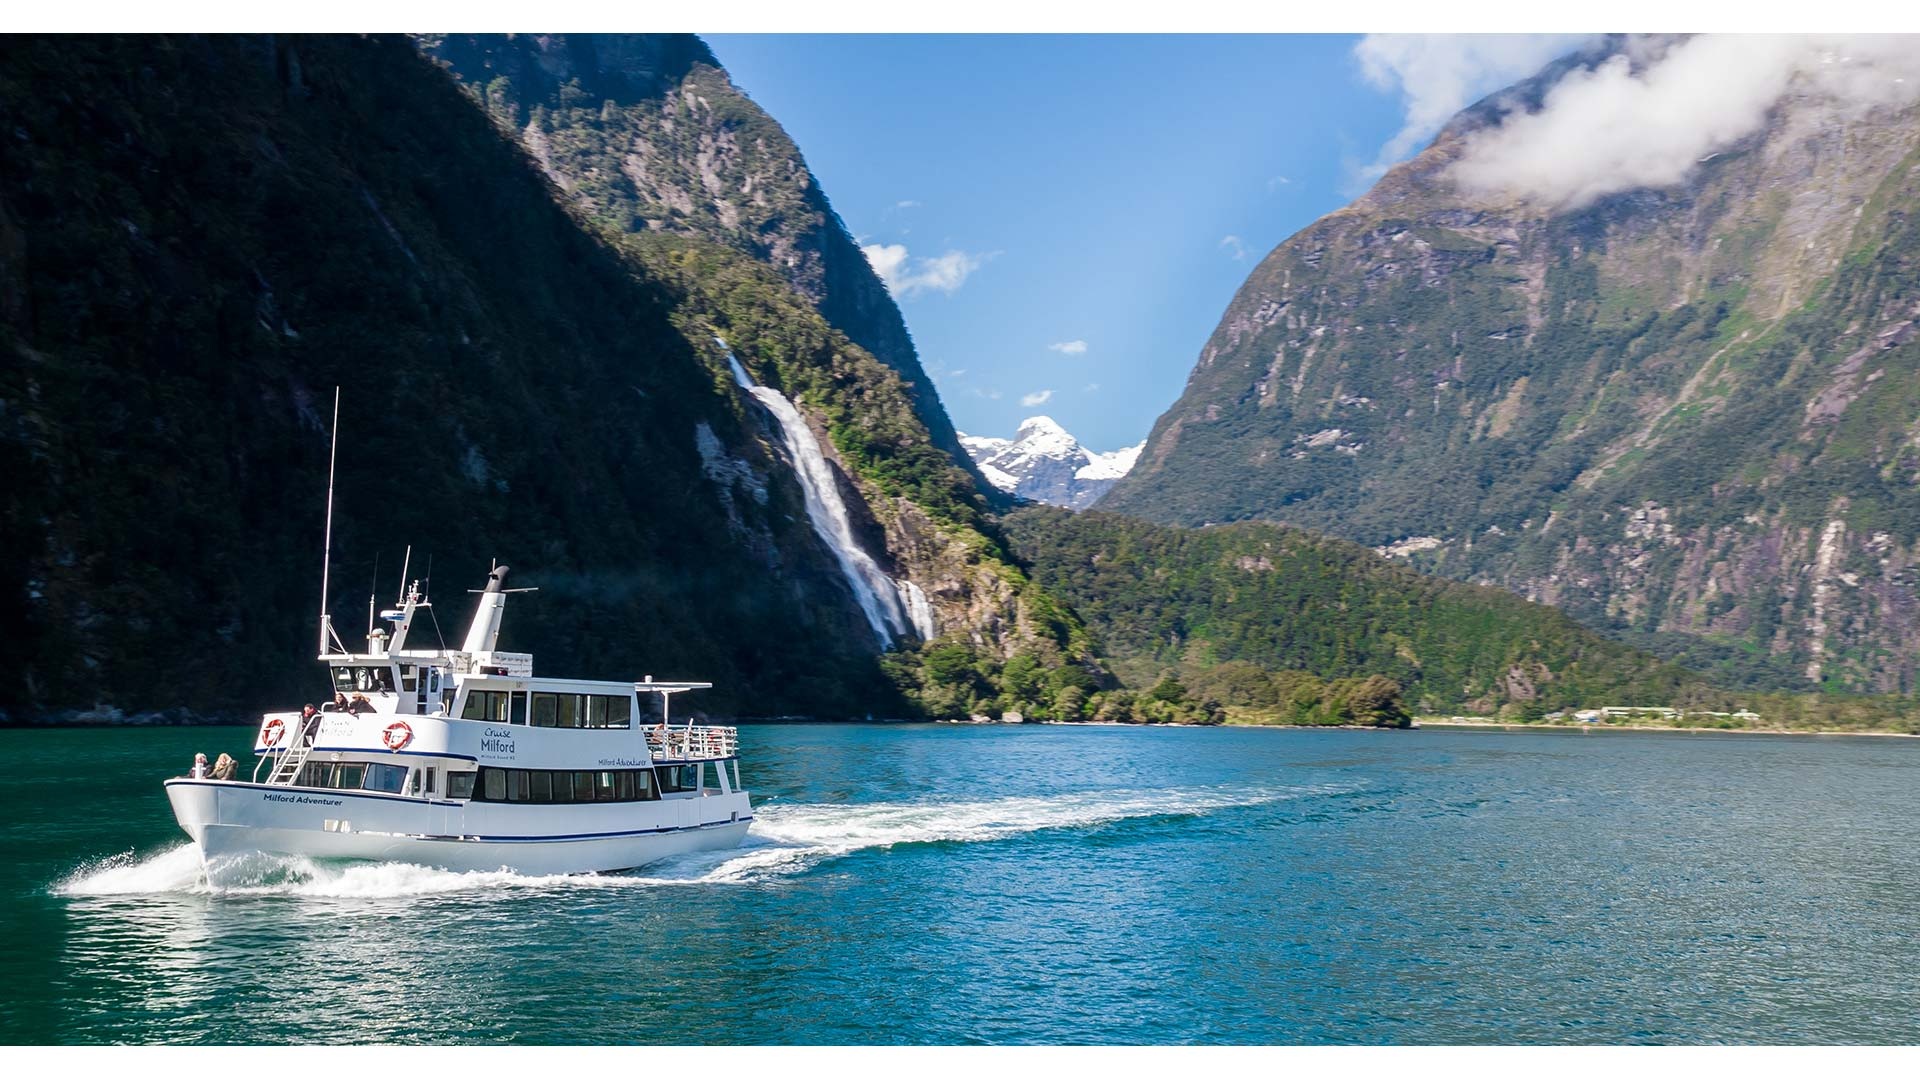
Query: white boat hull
(230, 819)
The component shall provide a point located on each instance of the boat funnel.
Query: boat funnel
(485, 629)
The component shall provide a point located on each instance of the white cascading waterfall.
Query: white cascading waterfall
(892, 607)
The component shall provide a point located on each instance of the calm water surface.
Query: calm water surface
(934, 884)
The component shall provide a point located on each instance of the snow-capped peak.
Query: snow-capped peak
(1045, 463)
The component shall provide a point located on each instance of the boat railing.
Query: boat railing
(680, 743)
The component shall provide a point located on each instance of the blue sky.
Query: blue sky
(1065, 218)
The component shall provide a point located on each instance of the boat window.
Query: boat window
(545, 786)
(485, 705)
(349, 776)
(679, 777)
(406, 678)
(545, 708)
(608, 712)
(460, 785)
(570, 711)
(519, 706)
(388, 778)
(430, 779)
(619, 712)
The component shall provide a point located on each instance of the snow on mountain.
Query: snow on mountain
(1046, 464)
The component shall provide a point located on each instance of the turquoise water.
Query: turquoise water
(937, 884)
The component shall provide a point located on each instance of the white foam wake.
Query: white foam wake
(785, 840)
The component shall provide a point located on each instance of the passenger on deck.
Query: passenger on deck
(359, 705)
(309, 723)
(199, 767)
(339, 702)
(223, 767)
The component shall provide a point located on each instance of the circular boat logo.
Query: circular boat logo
(397, 735)
(272, 732)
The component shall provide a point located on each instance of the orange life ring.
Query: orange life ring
(271, 734)
(397, 735)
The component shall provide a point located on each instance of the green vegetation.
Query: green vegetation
(1240, 613)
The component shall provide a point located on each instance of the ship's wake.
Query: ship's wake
(786, 839)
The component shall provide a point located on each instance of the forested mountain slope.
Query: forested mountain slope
(1684, 412)
(647, 133)
(1254, 595)
(201, 237)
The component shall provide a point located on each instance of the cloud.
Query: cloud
(1038, 397)
(1091, 387)
(1437, 75)
(1075, 347)
(1648, 117)
(1275, 183)
(957, 373)
(907, 277)
(990, 395)
(906, 204)
(1236, 250)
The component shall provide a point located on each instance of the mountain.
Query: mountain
(1045, 464)
(647, 133)
(201, 236)
(1680, 407)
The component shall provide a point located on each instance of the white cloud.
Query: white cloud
(990, 395)
(1437, 75)
(1038, 397)
(888, 260)
(1091, 387)
(1620, 125)
(1075, 347)
(941, 273)
(1275, 183)
(957, 373)
(1236, 250)
(906, 204)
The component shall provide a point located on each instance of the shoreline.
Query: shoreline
(1505, 725)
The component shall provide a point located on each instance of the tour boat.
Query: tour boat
(463, 760)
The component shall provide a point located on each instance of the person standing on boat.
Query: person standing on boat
(339, 702)
(199, 767)
(309, 723)
(359, 705)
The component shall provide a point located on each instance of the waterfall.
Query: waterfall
(892, 608)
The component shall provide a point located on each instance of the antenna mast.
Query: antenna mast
(326, 551)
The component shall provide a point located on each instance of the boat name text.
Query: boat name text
(309, 799)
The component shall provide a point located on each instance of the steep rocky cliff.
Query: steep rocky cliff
(200, 237)
(1684, 411)
(646, 132)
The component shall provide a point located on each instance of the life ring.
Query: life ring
(397, 735)
(271, 734)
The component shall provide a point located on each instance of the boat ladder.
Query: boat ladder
(287, 769)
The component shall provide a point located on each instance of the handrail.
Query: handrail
(693, 743)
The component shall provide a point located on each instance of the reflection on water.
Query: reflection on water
(922, 884)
